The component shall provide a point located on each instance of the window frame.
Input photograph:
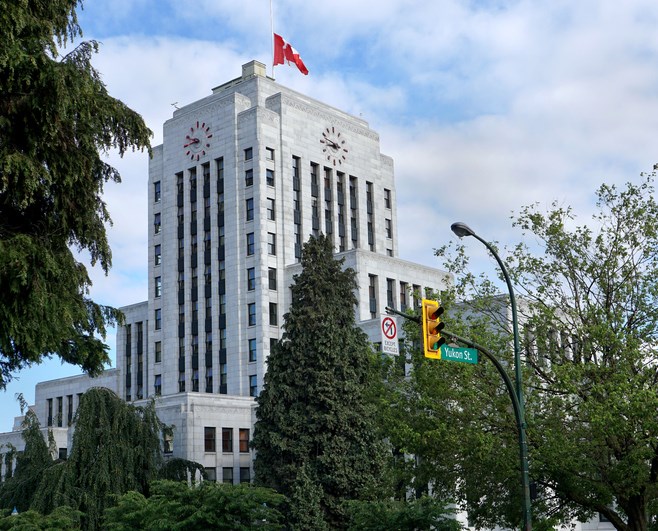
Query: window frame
(249, 209)
(251, 278)
(251, 244)
(227, 440)
(209, 439)
(271, 243)
(243, 440)
(252, 349)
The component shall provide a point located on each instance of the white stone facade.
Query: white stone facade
(242, 179)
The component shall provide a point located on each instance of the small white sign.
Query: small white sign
(389, 335)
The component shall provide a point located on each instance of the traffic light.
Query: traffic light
(432, 327)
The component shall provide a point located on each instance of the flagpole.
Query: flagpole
(272, 36)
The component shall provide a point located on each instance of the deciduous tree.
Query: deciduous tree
(588, 300)
(176, 505)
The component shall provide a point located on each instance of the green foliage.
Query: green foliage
(422, 514)
(56, 120)
(315, 424)
(31, 463)
(589, 311)
(178, 469)
(176, 506)
(116, 448)
(61, 518)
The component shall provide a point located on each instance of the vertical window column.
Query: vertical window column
(315, 207)
(354, 224)
(328, 211)
(372, 294)
(297, 208)
(129, 352)
(340, 201)
(370, 219)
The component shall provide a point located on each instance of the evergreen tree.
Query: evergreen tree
(56, 119)
(31, 463)
(116, 449)
(313, 417)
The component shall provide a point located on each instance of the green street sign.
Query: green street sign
(464, 355)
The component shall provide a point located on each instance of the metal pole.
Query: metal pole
(461, 230)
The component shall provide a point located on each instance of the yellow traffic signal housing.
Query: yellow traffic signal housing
(432, 326)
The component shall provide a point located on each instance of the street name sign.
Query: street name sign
(464, 355)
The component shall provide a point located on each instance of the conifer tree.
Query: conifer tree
(116, 449)
(56, 121)
(313, 417)
(31, 463)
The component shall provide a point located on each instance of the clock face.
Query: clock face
(335, 146)
(197, 141)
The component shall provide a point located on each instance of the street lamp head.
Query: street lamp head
(461, 229)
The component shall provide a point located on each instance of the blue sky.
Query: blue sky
(485, 106)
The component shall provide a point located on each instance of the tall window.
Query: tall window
(157, 387)
(244, 440)
(245, 474)
(227, 440)
(250, 244)
(269, 153)
(227, 475)
(387, 198)
(157, 222)
(270, 209)
(249, 177)
(372, 292)
(250, 209)
(158, 286)
(390, 289)
(209, 439)
(253, 385)
(389, 228)
(158, 351)
(274, 320)
(248, 154)
(168, 441)
(269, 177)
(271, 243)
(251, 279)
(158, 318)
(271, 278)
(251, 314)
(157, 255)
(252, 349)
(208, 379)
(156, 192)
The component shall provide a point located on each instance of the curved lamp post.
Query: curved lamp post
(461, 230)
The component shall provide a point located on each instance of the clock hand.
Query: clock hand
(191, 141)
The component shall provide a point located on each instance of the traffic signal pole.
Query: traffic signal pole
(516, 405)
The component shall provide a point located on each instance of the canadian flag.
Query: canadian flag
(283, 51)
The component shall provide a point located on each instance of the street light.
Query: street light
(461, 230)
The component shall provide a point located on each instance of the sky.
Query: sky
(485, 106)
